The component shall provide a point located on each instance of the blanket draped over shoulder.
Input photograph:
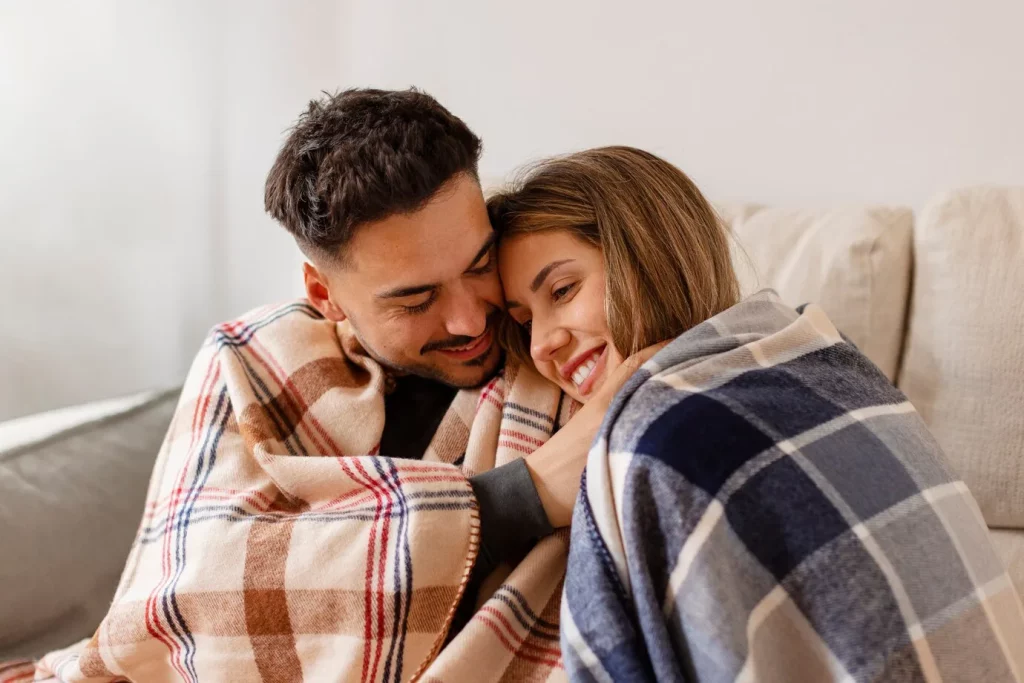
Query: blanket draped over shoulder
(763, 505)
(277, 545)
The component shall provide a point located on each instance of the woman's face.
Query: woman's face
(554, 288)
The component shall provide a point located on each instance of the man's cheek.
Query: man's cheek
(492, 291)
(413, 340)
(498, 297)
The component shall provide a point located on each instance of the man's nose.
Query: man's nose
(466, 314)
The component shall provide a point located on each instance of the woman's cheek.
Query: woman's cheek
(551, 374)
(592, 309)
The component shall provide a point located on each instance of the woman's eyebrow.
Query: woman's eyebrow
(545, 271)
(512, 304)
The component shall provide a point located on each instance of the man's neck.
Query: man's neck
(413, 411)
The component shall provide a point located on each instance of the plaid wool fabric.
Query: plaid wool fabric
(277, 545)
(762, 505)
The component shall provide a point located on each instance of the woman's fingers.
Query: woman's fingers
(630, 365)
(644, 355)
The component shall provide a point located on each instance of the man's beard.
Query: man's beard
(494, 354)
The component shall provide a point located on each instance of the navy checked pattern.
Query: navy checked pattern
(783, 512)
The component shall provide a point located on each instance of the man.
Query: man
(381, 192)
(342, 494)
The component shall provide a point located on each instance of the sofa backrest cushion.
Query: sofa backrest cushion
(71, 501)
(964, 362)
(854, 263)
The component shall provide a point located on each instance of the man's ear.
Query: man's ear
(319, 294)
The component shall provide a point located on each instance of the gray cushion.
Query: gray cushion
(70, 506)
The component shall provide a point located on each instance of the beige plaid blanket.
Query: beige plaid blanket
(278, 545)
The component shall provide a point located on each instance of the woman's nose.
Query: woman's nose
(545, 342)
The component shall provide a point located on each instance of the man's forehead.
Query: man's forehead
(411, 252)
(438, 240)
(385, 266)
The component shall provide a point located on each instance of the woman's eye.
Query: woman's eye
(562, 292)
(528, 325)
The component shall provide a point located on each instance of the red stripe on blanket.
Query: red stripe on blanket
(368, 576)
(490, 391)
(515, 446)
(492, 400)
(522, 437)
(256, 499)
(378, 590)
(369, 672)
(227, 493)
(420, 466)
(493, 626)
(539, 649)
(336, 503)
(261, 503)
(153, 623)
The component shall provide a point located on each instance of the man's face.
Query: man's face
(421, 290)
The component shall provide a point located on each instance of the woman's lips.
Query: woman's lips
(588, 383)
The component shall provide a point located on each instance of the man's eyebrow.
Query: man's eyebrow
(544, 272)
(400, 292)
(483, 250)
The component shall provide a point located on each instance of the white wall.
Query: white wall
(784, 101)
(135, 137)
(277, 56)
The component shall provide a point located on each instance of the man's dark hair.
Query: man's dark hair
(360, 156)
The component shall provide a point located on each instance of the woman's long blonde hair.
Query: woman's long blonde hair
(666, 252)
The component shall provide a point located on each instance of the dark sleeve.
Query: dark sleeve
(511, 519)
(511, 515)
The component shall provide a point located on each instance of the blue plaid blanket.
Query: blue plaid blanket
(763, 505)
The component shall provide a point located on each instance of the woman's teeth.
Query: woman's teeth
(584, 370)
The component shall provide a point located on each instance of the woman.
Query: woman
(760, 503)
(638, 251)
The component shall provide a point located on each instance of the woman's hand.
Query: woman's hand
(556, 467)
(602, 398)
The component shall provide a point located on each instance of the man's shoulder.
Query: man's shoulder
(295, 313)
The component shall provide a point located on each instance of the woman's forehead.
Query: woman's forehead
(525, 260)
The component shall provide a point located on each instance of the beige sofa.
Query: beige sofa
(936, 300)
